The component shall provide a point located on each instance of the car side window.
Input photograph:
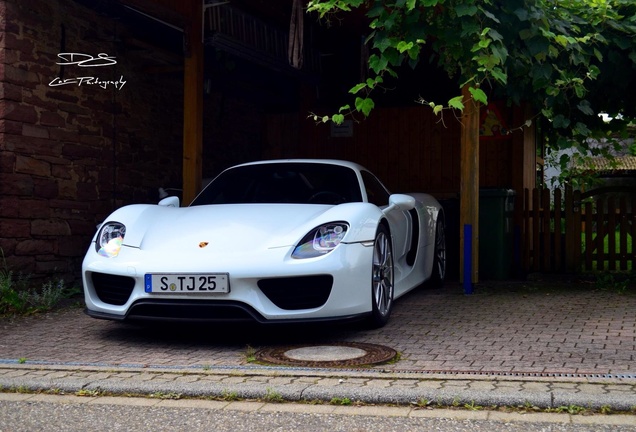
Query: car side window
(376, 192)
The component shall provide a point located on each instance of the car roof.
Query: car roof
(343, 163)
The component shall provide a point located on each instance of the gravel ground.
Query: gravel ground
(36, 416)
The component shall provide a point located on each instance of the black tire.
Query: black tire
(438, 276)
(382, 278)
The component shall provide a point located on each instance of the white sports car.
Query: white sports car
(273, 241)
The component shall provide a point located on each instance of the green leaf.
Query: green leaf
(552, 91)
(537, 46)
(582, 129)
(364, 105)
(500, 52)
(522, 14)
(375, 11)
(478, 94)
(526, 34)
(561, 40)
(381, 41)
(404, 46)
(585, 107)
(484, 43)
(337, 118)
(355, 89)
(392, 57)
(325, 119)
(593, 72)
(414, 52)
(344, 108)
(499, 75)
(465, 10)
(377, 64)
(560, 121)
(438, 109)
(457, 103)
(495, 35)
(579, 90)
(491, 16)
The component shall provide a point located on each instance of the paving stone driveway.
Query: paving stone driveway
(519, 328)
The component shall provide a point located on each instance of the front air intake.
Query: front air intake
(113, 289)
(296, 293)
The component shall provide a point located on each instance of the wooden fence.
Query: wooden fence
(573, 231)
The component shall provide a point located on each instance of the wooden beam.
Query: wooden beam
(193, 101)
(469, 188)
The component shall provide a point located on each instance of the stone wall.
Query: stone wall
(71, 149)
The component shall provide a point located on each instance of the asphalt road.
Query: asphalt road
(132, 415)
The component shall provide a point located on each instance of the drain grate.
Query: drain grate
(333, 355)
(522, 374)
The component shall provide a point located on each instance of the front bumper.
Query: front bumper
(270, 288)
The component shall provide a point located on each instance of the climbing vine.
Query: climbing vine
(570, 59)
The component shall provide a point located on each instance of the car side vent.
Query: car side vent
(295, 293)
(113, 289)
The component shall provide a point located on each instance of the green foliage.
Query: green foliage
(607, 281)
(340, 401)
(90, 393)
(472, 406)
(273, 396)
(570, 62)
(569, 409)
(159, 395)
(422, 403)
(229, 396)
(250, 354)
(18, 297)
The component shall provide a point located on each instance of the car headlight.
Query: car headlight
(321, 240)
(110, 238)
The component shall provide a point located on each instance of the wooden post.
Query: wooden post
(469, 185)
(193, 101)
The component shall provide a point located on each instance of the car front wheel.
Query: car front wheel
(382, 278)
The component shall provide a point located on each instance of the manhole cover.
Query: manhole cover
(340, 354)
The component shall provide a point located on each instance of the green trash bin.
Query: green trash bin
(496, 208)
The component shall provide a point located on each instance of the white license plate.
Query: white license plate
(169, 283)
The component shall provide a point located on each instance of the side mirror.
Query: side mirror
(171, 201)
(401, 202)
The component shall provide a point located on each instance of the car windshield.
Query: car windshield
(296, 183)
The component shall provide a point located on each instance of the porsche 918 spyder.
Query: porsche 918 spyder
(272, 241)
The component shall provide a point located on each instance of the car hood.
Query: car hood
(222, 228)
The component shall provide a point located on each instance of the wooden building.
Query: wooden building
(178, 102)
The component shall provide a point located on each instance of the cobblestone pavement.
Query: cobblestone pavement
(510, 328)
(514, 342)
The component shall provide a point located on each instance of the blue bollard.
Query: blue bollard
(468, 259)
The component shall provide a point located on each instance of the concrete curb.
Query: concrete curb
(367, 387)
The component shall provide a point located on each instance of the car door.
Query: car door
(399, 221)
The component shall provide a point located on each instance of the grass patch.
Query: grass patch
(273, 396)
(250, 354)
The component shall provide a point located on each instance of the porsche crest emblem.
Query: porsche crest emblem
(203, 244)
